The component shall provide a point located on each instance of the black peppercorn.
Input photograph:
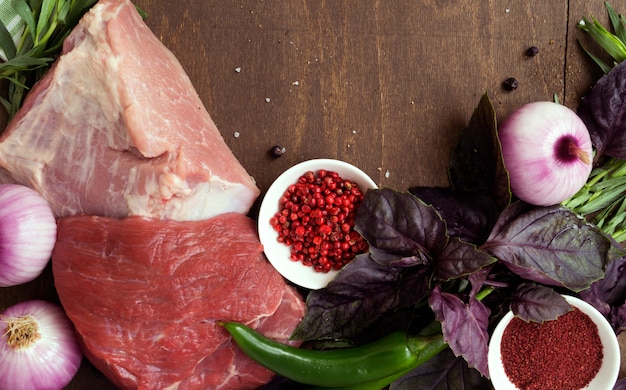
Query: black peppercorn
(510, 84)
(532, 51)
(277, 151)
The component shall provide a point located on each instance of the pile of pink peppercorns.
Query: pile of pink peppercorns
(316, 219)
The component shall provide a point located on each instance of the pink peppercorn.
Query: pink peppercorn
(316, 218)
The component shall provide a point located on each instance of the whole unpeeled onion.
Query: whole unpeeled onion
(27, 234)
(548, 152)
(39, 349)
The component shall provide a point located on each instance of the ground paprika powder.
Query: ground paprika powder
(565, 353)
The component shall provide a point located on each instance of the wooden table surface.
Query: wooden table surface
(384, 85)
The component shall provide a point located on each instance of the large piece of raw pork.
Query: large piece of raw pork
(145, 296)
(116, 128)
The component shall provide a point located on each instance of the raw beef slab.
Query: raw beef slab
(145, 296)
(116, 128)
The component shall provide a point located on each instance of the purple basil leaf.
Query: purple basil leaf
(399, 228)
(477, 279)
(617, 318)
(468, 215)
(603, 111)
(608, 295)
(443, 372)
(459, 259)
(464, 327)
(476, 164)
(610, 290)
(592, 296)
(359, 296)
(549, 245)
(533, 302)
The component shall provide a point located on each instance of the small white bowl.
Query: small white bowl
(277, 253)
(604, 379)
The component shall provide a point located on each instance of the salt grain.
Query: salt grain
(387, 174)
(238, 69)
(236, 134)
(267, 100)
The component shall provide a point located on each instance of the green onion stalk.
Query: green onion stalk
(602, 200)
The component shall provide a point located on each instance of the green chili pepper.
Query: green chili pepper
(362, 367)
(375, 385)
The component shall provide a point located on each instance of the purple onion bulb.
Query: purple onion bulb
(548, 152)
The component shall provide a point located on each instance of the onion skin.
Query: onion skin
(548, 152)
(27, 234)
(51, 361)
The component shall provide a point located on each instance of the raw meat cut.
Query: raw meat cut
(145, 296)
(116, 128)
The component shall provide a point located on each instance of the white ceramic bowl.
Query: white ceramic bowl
(277, 253)
(605, 378)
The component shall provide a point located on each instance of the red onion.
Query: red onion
(39, 347)
(547, 150)
(27, 234)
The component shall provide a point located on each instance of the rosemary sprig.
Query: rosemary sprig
(47, 24)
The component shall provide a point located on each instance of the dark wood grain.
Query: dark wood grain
(385, 85)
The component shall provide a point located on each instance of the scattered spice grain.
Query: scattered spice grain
(563, 354)
(532, 51)
(510, 84)
(277, 151)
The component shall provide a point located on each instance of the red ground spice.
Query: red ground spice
(316, 219)
(562, 354)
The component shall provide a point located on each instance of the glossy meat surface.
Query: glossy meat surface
(116, 128)
(145, 296)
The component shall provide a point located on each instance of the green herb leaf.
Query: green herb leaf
(609, 42)
(613, 44)
(26, 13)
(617, 21)
(64, 11)
(45, 19)
(6, 42)
(603, 66)
(47, 24)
